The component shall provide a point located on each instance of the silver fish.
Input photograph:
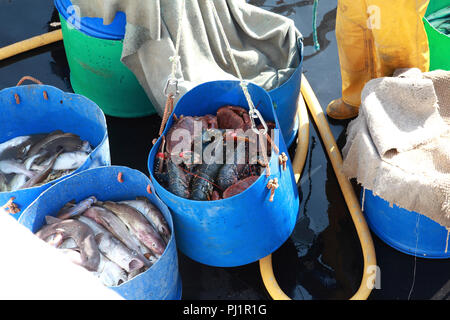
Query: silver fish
(12, 166)
(70, 160)
(77, 209)
(109, 273)
(103, 221)
(81, 234)
(114, 225)
(17, 182)
(117, 252)
(152, 213)
(140, 226)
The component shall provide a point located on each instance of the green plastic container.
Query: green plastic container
(97, 73)
(438, 42)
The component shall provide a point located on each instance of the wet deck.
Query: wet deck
(322, 259)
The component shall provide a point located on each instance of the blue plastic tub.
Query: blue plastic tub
(243, 228)
(285, 99)
(64, 111)
(92, 26)
(160, 282)
(409, 232)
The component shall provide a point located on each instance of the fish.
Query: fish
(3, 183)
(12, 166)
(82, 206)
(41, 176)
(109, 221)
(69, 160)
(82, 235)
(109, 273)
(153, 214)
(117, 252)
(74, 256)
(139, 225)
(13, 143)
(17, 182)
(56, 141)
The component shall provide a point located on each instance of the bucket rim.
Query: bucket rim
(151, 157)
(92, 27)
(64, 94)
(297, 69)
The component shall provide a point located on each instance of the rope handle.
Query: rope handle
(22, 80)
(272, 185)
(28, 78)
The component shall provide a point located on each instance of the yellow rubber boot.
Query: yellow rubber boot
(374, 38)
(338, 109)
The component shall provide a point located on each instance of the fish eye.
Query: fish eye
(154, 245)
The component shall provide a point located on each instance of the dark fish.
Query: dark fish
(3, 183)
(14, 147)
(139, 225)
(81, 234)
(41, 176)
(56, 141)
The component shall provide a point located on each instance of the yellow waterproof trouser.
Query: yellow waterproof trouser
(375, 37)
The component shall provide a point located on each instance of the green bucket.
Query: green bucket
(438, 42)
(97, 73)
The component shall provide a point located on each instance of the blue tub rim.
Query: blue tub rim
(300, 49)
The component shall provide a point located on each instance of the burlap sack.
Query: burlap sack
(399, 145)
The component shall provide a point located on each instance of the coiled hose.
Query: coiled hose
(369, 274)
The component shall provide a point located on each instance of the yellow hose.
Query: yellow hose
(369, 274)
(30, 44)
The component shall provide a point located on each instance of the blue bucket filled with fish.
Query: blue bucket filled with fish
(285, 100)
(226, 213)
(110, 221)
(409, 232)
(46, 136)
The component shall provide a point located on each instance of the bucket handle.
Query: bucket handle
(16, 96)
(28, 78)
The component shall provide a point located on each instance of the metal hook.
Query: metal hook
(171, 87)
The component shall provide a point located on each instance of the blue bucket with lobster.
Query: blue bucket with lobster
(162, 280)
(37, 109)
(409, 232)
(285, 100)
(243, 228)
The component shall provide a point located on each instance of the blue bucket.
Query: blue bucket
(93, 26)
(60, 111)
(162, 280)
(407, 231)
(285, 100)
(246, 227)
